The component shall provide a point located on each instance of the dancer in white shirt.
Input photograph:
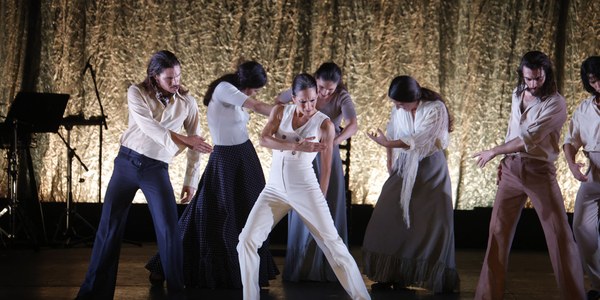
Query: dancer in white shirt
(584, 132)
(158, 108)
(295, 133)
(410, 238)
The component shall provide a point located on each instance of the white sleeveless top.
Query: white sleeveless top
(312, 128)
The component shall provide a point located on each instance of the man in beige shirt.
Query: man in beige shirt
(158, 108)
(527, 170)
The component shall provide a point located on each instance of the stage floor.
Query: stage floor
(57, 272)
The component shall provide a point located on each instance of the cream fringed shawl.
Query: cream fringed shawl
(427, 134)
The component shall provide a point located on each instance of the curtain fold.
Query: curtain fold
(466, 50)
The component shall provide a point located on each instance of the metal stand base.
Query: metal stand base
(69, 235)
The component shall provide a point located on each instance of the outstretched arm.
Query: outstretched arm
(514, 145)
(380, 138)
(194, 142)
(258, 106)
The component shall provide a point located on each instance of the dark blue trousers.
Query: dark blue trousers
(134, 171)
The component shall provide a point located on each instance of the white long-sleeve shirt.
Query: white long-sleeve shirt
(150, 123)
(584, 127)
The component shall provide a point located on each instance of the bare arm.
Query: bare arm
(350, 128)
(268, 139)
(389, 164)
(380, 138)
(258, 106)
(574, 166)
(327, 134)
(512, 146)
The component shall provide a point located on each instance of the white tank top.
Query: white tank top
(312, 128)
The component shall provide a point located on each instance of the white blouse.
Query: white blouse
(584, 127)
(426, 134)
(150, 123)
(227, 119)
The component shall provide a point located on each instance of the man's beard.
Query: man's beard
(535, 92)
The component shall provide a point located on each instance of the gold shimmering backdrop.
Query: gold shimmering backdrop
(466, 50)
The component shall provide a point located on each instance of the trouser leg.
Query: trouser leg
(510, 199)
(585, 228)
(157, 188)
(266, 213)
(312, 208)
(102, 272)
(545, 194)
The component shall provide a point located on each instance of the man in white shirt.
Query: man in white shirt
(584, 134)
(158, 108)
(527, 170)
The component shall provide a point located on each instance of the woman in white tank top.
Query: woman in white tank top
(296, 133)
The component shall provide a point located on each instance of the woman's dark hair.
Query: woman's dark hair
(160, 61)
(329, 71)
(249, 74)
(590, 66)
(535, 60)
(406, 89)
(303, 81)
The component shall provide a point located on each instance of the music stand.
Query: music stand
(28, 113)
(38, 112)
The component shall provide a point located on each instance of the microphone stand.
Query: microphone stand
(104, 124)
(103, 118)
(69, 231)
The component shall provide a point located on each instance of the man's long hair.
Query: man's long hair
(535, 60)
(160, 61)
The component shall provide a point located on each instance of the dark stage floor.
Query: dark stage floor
(57, 272)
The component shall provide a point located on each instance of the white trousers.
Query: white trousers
(293, 185)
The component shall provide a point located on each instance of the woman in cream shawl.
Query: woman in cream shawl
(409, 241)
